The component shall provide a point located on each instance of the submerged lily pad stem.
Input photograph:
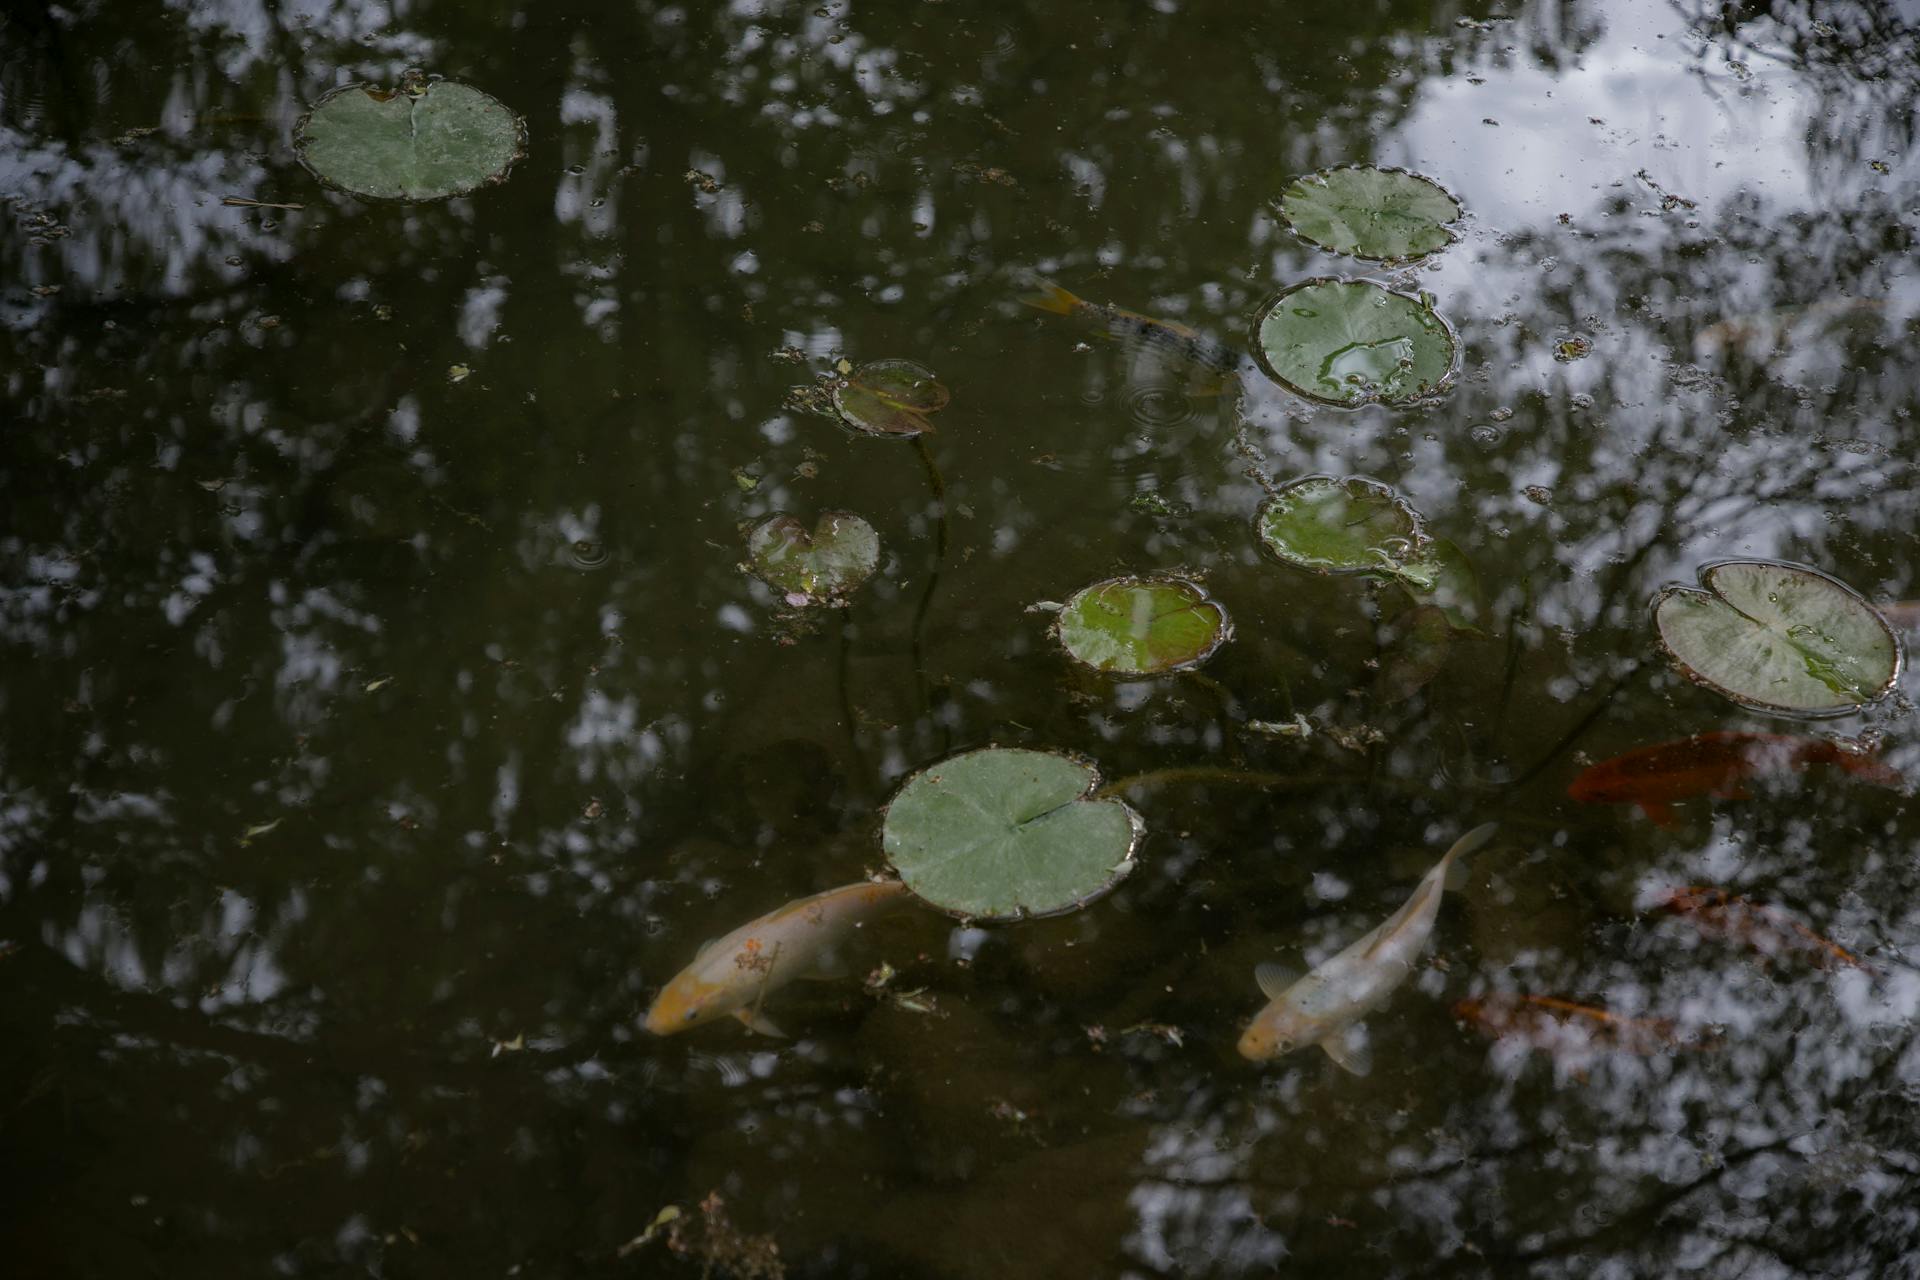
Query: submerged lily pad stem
(937, 488)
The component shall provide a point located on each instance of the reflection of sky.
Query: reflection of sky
(482, 651)
(1704, 121)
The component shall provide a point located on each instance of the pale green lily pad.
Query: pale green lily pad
(1331, 524)
(426, 140)
(1004, 833)
(1142, 626)
(830, 561)
(890, 398)
(1778, 637)
(1382, 215)
(1353, 342)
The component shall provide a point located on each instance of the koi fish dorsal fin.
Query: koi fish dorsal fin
(1273, 979)
(1412, 906)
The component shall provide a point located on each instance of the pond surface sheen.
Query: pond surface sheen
(379, 738)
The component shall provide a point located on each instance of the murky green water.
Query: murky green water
(378, 739)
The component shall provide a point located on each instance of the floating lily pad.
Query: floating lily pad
(839, 554)
(1002, 833)
(1383, 215)
(1352, 342)
(890, 398)
(426, 140)
(1328, 524)
(1778, 637)
(1142, 626)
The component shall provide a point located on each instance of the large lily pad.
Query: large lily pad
(1382, 215)
(1142, 626)
(831, 560)
(1002, 833)
(1352, 342)
(426, 140)
(1778, 637)
(890, 398)
(1330, 524)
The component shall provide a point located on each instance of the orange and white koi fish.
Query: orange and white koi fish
(1714, 764)
(1565, 1029)
(1130, 326)
(733, 975)
(1769, 931)
(1323, 1006)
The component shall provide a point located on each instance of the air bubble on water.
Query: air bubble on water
(1501, 414)
(1483, 433)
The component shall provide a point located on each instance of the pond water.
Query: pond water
(387, 715)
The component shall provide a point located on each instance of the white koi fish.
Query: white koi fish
(731, 976)
(1321, 1007)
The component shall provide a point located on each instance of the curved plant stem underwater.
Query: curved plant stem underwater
(938, 488)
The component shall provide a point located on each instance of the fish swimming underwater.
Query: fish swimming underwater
(1165, 336)
(731, 976)
(1571, 1032)
(1321, 1007)
(1719, 914)
(1713, 764)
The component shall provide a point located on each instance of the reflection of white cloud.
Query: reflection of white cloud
(1696, 128)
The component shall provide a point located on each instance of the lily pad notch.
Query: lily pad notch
(1778, 637)
(1373, 213)
(1141, 626)
(423, 140)
(1007, 833)
(1354, 342)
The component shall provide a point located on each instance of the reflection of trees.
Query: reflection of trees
(292, 572)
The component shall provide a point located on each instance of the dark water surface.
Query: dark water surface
(376, 742)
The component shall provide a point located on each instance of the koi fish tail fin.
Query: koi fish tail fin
(1456, 873)
(1052, 299)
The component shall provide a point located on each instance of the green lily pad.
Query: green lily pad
(1003, 833)
(1382, 215)
(426, 140)
(890, 398)
(1353, 342)
(1141, 626)
(1778, 637)
(1329, 524)
(839, 554)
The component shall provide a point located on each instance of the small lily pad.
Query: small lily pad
(1142, 626)
(890, 398)
(426, 140)
(839, 554)
(1003, 833)
(1353, 342)
(1329, 524)
(1778, 637)
(1382, 215)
